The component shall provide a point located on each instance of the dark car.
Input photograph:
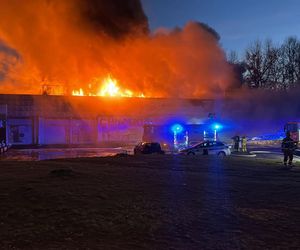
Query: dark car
(148, 148)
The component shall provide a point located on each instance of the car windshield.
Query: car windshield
(200, 145)
(155, 146)
(216, 144)
(208, 144)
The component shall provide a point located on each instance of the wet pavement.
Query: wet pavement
(59, 153)
(65, 153)
(272, 153)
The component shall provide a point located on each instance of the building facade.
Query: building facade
(64, 120)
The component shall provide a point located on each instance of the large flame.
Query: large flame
(76, 44)
(109, 87)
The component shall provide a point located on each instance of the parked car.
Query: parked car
(148, 148)
(208, 148)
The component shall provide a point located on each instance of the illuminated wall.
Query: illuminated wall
(58, 120)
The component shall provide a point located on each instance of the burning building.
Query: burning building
(91, 71)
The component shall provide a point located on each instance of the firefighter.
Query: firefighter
(236, 140)
(244, 144)
(288, 147)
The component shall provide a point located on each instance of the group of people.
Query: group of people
(240, 144)
(288, 147)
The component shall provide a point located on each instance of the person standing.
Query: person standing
(244, 144)
(236, 142)
(288, 147)
(240, 144)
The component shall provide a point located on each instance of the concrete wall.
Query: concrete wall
(53, 131)
(83, 131)
(119, 129)
(67, 131)
(53, 120)
(50, 131)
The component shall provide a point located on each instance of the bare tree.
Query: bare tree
(238, 68)
(253, 62)
(232, 57)
(261, 62)
(272, 71)
(290, 61)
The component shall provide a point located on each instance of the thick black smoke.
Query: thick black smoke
(116, 18)
(210, 30)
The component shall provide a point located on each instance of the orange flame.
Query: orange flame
(78, 92)
(109, 88)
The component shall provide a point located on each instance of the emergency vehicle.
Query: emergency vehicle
(178, 136)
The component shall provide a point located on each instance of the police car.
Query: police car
(208, 148)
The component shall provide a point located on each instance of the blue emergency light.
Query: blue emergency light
(177, 128)
(217, 126)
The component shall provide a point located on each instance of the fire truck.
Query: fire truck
(178, 136)
(294, 129)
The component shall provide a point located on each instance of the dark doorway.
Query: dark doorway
(3, 129)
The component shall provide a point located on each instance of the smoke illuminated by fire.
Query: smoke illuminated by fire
(76, 41)
(109, 88)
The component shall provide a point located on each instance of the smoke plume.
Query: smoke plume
(116, 18)
(256, 111)
(74, 43)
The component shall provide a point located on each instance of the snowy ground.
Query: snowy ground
(149, 202)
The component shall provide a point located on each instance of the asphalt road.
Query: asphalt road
(272, 153)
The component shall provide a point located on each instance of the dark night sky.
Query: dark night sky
(239, 22)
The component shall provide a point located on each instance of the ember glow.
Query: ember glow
(109, 87)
